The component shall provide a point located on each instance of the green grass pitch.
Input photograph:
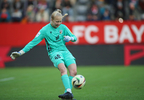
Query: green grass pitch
(44, 83)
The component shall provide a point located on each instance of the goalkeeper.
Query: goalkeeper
(56, 35)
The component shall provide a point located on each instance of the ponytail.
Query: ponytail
(58, 12)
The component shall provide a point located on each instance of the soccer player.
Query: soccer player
(56, 35)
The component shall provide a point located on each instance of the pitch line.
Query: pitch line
(7, 79)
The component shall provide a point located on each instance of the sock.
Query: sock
(69, 90)
(66, 83)
(70, 79)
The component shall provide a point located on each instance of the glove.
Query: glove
(68, 38)
(14, 55)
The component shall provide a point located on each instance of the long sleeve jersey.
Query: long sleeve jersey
(54, 38)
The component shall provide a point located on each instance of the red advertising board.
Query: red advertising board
(18, 34)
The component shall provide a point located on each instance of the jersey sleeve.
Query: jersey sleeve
(38, 38)
(69, 33)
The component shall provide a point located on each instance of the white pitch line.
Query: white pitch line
(7, 79)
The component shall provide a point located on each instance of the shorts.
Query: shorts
(64, 57)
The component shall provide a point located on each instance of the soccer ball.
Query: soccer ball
(78, 81)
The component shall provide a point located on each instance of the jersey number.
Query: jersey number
(57, 56)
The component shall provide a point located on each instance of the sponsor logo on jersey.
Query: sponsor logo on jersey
(57, 37)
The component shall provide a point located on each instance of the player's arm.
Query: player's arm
(38, 38)
(69, 36)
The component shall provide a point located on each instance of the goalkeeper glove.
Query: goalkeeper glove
(14, 55)
(68, 38)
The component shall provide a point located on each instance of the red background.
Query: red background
(18, 34)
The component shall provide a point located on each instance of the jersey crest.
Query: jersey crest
(60, 31)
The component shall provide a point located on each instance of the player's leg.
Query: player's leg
(64, 76)
(62, 69)
(73, 71)
(57, 59)
(65, 79)
(70, 64)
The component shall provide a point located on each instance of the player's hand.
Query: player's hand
(16, 54)
(68, 38)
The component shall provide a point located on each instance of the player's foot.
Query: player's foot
(66, 95)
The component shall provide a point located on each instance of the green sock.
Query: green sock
(66, 82)
(70, 79)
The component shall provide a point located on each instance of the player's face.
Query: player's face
(57, 21)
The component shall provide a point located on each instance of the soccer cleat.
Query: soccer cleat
(66, 95)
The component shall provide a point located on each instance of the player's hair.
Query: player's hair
(57, 12)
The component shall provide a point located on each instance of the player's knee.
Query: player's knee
(62, 69)
(73, 72)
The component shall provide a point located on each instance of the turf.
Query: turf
(44, 83)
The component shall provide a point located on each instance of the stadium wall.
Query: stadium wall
(99, 43)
